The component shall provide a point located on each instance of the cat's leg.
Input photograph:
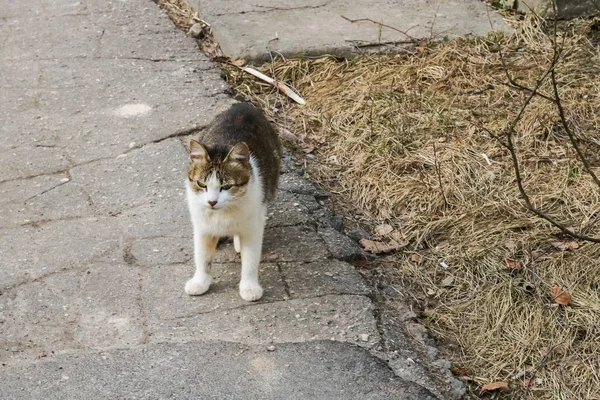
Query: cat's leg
(236, 243)
(251, 246)
(204, 250)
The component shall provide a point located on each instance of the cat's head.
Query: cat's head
(218, 175)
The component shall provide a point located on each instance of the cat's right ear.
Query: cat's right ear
(198, 152)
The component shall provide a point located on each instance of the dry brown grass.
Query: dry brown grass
(179, 11)
(374, 122)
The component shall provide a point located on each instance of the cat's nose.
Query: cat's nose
(212, 203)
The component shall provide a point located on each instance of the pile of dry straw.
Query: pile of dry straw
(402, 138)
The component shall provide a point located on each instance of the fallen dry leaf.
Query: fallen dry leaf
(493, 386)
(286, 134)
(560, 296)
(459, 371)
(397, 236)
(238, 62)
(379, 247)
(565, 246)
(383, 229)
(512, 264)
(307, 148)
(416, 258)
(447, 281)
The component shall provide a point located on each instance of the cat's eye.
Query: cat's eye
(201, 185)
(226, 187)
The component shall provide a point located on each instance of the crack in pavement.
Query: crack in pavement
(69, 179)
(268, 9)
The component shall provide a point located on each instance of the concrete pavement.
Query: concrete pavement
(249, 30)
(97, 101)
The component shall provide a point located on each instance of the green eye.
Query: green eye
(201, 185)
(226, 187)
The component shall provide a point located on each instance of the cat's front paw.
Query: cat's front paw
(251, 292)
(198, 286)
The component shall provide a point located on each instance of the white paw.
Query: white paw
(251, 292)
(198, 286)
(236, 244)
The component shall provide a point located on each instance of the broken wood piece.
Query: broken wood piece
(280, 85)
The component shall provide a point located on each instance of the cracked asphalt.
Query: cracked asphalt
(97, 102)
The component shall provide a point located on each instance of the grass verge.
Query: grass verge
(401, 140)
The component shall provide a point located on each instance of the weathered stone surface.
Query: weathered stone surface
(115, 119)
(322, 278)
(160, 218)
(30, 252)
(151, 252)
(565, 9)
(293, 183)
(152, 173)
(91, 308)
(25, 162)
(318, 370)
(341, 246)
(287, 210)
(25, 43)
(407, 351)
(342, 318)
(293, 243)
(21, 190)
(165, 300)
(63, 200)
(245, 30)
(51, 8)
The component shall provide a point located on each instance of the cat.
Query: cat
(233, 174)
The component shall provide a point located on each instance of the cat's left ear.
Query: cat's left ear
(239, 153)
(198, 152)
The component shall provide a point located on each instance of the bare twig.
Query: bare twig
(574, 140)
(439, 175)
(365, 44)
(510, 146)
(510, 131)
(433, 22)
(555, 100)
(405, 33)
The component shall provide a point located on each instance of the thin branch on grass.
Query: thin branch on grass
(574, 140)
(510, 146)
(439, 175)
(511, 130)
(556, 100)
(359, 44)
(433, 22)
(405, 33)
(514, 83)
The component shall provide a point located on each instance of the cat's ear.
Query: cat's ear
(198, 152)
(239, 153)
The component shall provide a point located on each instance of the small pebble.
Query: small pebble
(196, 31)
(364, 337)
(271, 348)
(131, 145)
(64, 180)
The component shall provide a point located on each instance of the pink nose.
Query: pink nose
(212, 203)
